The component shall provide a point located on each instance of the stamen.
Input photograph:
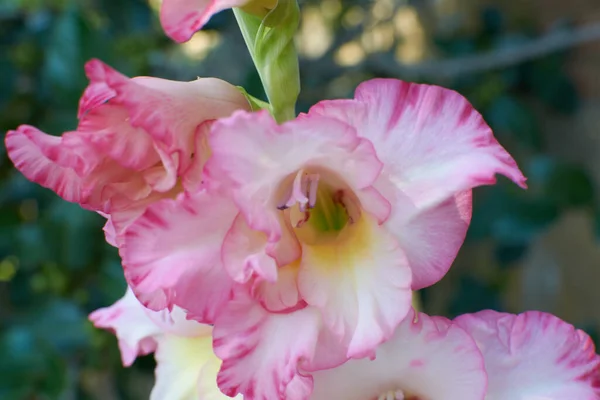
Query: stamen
(313, 185)
(298, 189)
(303, 190)
(350, 205)
(286, 197)
(292, 191)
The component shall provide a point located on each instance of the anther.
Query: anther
(303, 220)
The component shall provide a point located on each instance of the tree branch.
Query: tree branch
(437, 70)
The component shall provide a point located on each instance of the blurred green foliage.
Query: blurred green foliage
(53, 258)
(55, 267)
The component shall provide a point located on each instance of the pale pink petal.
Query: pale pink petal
(186, 369)
(192, 178)
(432, 238)
(134, 328)
(154, 300)
(170, 111)
(186, 365)
(163, 177)
(182, 18)
(287, 249)
(109, 184)
(176, 322)
(257, 158)
(361, 283)
(110, 233)
(262, 352)
(247, 253)
(243, 254)
(174, 248)
(428, 359)
(125, 210)
(36, 155)
(114, 188)
(76, 145)
(534, 355)
(281, 295)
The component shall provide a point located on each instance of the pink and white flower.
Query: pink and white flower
(186, 365)
(182, 18)
(335, 216)
(427, 358)
(533, 356)
(483, 356)
(138, 140)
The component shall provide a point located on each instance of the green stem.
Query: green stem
(270, 41)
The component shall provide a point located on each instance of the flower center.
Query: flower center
(318, 208)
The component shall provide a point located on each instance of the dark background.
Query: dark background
(531, 67)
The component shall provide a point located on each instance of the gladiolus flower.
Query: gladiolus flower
(528, 356)
(138, 140)
(427, 358)
(332, 218)
(182, 18)
(186, 367)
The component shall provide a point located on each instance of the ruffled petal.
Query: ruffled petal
(135, 330)
(110, 233)
(186, 365)
(361, 283)
(182, 18)
(192, 178)
(170, 111)
(173, 251)
(75, 168)
(107, 130)
(428, 358)
(176, 322)
(163, 177)
(124, 210)
(534, 355)
(432, 142)
(243, 254)
(94, 95)
(262, 352)
(247, 254)
(42, 159)
(186, 369)
(282, 295)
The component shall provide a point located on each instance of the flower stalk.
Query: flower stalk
(270, 41)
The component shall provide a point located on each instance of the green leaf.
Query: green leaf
(270, 41)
